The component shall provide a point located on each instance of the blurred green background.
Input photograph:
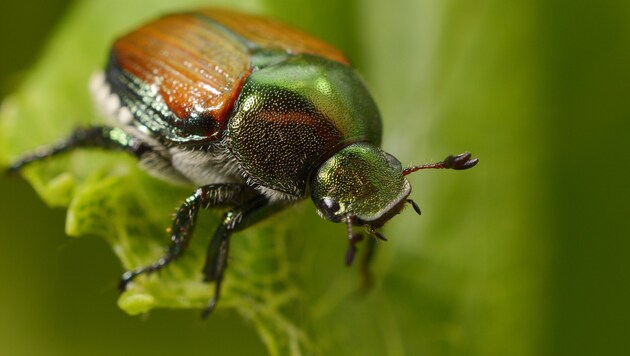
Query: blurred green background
(527, 254)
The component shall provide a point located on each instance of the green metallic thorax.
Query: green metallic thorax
(293, 113)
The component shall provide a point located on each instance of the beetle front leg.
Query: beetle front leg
(209, 196)
(234, 220)
(365, 270)
(93, 136)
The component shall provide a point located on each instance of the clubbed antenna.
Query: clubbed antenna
(459, 162)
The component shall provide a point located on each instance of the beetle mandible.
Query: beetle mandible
(254, 113)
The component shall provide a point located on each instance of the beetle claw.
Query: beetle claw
(126, 278)
(350, 253)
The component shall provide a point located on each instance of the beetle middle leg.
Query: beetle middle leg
(152, 155)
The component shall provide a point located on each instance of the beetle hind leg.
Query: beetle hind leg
(105, 137)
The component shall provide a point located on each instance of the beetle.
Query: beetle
(255, 114)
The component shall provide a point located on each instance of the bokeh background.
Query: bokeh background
(527, 254)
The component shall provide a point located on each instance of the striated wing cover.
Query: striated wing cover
(181, 74)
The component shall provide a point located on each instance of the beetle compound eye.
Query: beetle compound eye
(393, 161)
(329, 207)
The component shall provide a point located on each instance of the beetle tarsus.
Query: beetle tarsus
(353, 239)
(129, 276)
(365, 270)
(183, 225)
(217, 254)
(352, 248)
(181, 232)
(209, 308)
(350, 253)
(221, 264)
(126, 278)
(13, 169)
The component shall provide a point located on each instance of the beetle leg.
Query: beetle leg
(366, 271)
(234, 220)
(209, 196)
(94, 136)
(353, 239)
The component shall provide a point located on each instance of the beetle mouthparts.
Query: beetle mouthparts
(377, 234)
(415, 206)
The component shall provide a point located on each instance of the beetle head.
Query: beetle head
(360, 184)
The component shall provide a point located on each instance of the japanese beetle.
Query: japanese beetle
(254, 113)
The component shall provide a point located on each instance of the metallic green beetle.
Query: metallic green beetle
(254, 113)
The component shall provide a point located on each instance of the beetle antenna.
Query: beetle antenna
(415, 206)
(460, 162)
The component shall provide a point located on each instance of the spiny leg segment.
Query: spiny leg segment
(105, 137)
(217, 254)
(250, 207)
(353, 239)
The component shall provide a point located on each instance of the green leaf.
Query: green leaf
(447, 283)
